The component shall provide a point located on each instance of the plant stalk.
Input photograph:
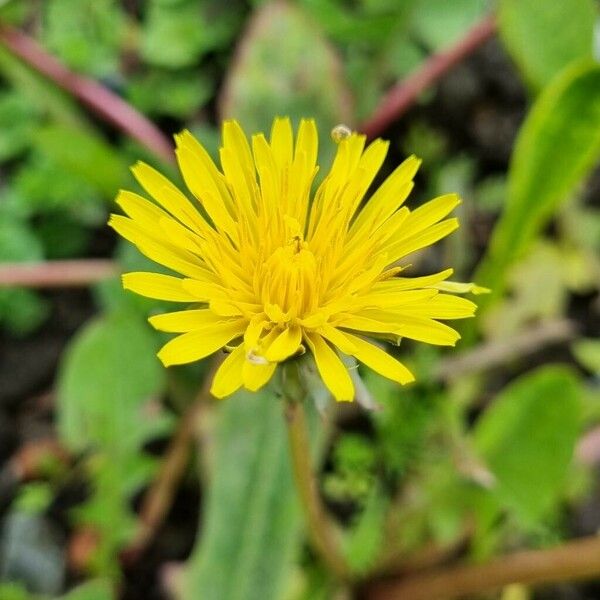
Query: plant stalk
(577, 560)
(321, 530)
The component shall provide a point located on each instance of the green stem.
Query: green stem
(321, 531)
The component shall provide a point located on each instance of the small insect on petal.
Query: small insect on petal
(256, 359)
(340, 132)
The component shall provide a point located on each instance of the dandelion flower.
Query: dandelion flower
(267, 270)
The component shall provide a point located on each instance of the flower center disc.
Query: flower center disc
(288, 280)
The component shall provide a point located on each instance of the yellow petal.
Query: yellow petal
(442, 306)
(417, 327)
(331, 368)
(267, 172)
(159, 250)
(181, 236)
(213, 180)
(432, 212)
(141, 210)
(204, 290)
(337, 338)
(228, 378)
(158, 286)
(235, 139)
(425, 238)
(254, 331)
(242, 183)
(256, 375)
(307, 141)
(389, 197)
(369, 165)
(394, 300)
(167, 195)
(282, 141)
(184, 320)
(366, 323)
(195, 345)
(225, 308)
(285, 344)
(379, 360)
(397, 284)
(198, 182)
(427, 330)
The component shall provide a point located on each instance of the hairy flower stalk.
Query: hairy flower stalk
(273, 271)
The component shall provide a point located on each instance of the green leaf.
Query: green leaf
(527, 438)
(290, 81)
(14, 591)
(85, 34)
(107, 373)
(18, 119)
(42, 187)
(252, 522)
(14, 12)
(439, 23)
(107, 377)
(557, 146)
(543, 39)
(176, 94)
(177, 33)
(358, 24)
(21, 310)
(587, 352)
(34, 498)
(96, 589)
(62, 236)
(84, 154)
(40, 92)
(365, 539)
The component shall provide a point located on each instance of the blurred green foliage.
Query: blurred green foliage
(108, 391)
(485, 458)
(260, 532)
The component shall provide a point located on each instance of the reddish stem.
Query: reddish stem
(59, 273)
(95, 96)
(575, 560)
(404, 94)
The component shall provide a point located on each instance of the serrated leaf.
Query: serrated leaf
(557, 146)
(252, 523)
(543, 38)
(527, 438)
(302, 78)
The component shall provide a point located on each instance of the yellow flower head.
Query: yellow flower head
(273, 271)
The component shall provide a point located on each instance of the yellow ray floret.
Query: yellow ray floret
(270, 270)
